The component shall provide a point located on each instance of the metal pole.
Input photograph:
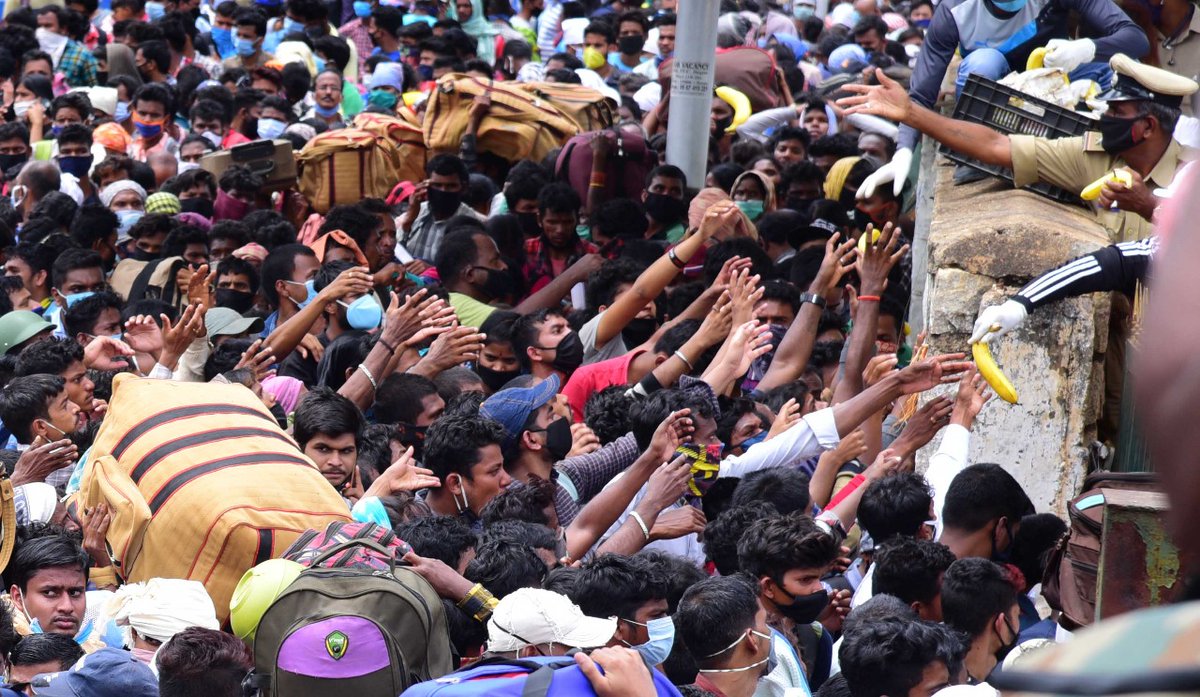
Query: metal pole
(692, 88)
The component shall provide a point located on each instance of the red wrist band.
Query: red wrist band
(863, 298)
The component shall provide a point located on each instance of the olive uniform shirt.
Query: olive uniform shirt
(1073, 163)
(1181, 54)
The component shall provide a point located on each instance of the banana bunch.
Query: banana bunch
(991, 372)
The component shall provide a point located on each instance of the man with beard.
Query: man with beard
(725, 629)
(435, 201)
(328, 428)
(559, 245)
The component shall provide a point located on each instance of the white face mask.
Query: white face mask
(50, 41)
(22, 108)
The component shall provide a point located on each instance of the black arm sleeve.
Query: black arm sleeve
(1116, 267)
(1115, 31)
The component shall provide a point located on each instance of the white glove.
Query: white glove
(1069, 55)
(1005, 318)
(895, 171)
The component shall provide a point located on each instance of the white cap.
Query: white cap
(572, 30)
(532, 616)
(980, 690)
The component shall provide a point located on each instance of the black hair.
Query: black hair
(72, 100)
(155, 92)
(1037, 537)
(199, 662)
(783, 487)
(603, 29)
(559, 197)
(81, 317)
(352, 220)
(674, 338)
(335, 49)
(535, 536)
(895, 506)
(982, 493)
(621, 218)
(523, 188)
(234, 230)
(723, 533)
(503, 566)
(36, 649)
(457, 252)
(224, 357)
(231, 265)
(399, 398)
(445, 538)
(75, 133)
(761, 264)
(732, 410)
(714, 613)
(448, 165)
(454, 382)
(452, 444)
(646, 414)
(974, 591)
(612, 585)
(602, 283)
(675, 572)
(323, 411)
(209, 110)
(279, 265)
(73, 259)
(788, 133)
(773, 546)
(50, 551)
(179, 238)
(869, 23)
(27, 399)
(52, 356)
(153, 224)
(607, 413)
(879, 606)
(521, 503)
(838, 145)
(911, 569)
(666, 172)
(525, 332)
(157, 51)
(889, 657)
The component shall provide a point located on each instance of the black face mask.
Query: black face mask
(496, 285)
(237, 300)
(280, 416)
(7, 162)
(558, 438)
(631, 45)
(638, 331)
(1006, 648)
(443, 204)
(495, 379)
(143, 255)
(568, 355)
(723, 124)
(1117, 133)
(805, 609)
(529, 224)
(664, 209)
(202, 206)
(861, 220)
(250, 128)
(798, 204)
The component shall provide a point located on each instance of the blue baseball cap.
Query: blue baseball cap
(511, 407)
(105, 673)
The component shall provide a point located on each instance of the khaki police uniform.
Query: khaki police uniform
(1073, 163)
(1180, 54)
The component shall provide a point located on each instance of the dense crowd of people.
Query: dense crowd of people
(670, 434)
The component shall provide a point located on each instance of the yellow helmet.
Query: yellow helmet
(258, 588)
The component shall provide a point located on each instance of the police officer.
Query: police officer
(1135, 133)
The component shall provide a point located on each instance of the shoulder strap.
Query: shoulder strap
(1084, 685)
(538, 682)
(137, 290)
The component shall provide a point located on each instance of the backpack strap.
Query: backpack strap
(137, 290)
(538, 682)
(350, 544)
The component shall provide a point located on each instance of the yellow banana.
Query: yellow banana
(1036, 59)
(740, 103)
(862, 241)
(1092, 191)
(991, 372)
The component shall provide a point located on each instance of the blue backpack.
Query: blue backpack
(537, 676)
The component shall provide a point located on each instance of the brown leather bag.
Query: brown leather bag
(1072, 571)
(347, 165)
(519, 126)
(409, 141)
(588, 108)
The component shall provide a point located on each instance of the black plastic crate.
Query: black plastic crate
(1011, 112)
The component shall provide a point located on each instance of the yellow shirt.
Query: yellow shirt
(471, 312)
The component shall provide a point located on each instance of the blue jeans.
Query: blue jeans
(990, 63)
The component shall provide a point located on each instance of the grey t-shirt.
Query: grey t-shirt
(587, 334)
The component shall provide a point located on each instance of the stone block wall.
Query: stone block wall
(985, 241)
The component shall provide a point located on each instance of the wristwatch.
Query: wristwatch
(813, 298)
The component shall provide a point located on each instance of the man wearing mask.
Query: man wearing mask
(435, 200)
(1135, 133)
(382, 26)
(250, 29)
(14, 149)
(237, 285)
(787, 555)
(75, 158)
(723, 625)
(550, 254)
(598, 39)
(631, 41)
(71, 58)
(546, 345)
(666, 211)
(996, 37)
(470, 267)
(979, 599)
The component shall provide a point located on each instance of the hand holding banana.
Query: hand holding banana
(996, 321)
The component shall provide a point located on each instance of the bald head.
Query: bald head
(41, 177)
(164, 165)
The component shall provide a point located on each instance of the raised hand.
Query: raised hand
(839, 259)
(675, 430)
(43, 459)
(787, 417)
(877, 261)
(678, 522)
(106, 353)
(933, 371)
(924, 425)
(973, 393)
(668, 483)
(199, 289)
(258, 358)
(143, 335)
(888, 99)
(583, 440)
(402, 475)
(879, 367)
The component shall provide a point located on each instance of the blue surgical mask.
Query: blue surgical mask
(291, 26)
(752, 209)
(803, 11)
(320, 63)
(325, 112)
(1009, 5)
(56, 130)
(754, 440)
(223, 38)
(127, 220)
(364, 313)
(245, 47)
(122, 112)
(155, 10)
(269, 129)
(426, 72)
(662, 637)
(922, 23)
(362, 8)
(312, 293)
(76, 297)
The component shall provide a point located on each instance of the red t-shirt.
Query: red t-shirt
(590, 379)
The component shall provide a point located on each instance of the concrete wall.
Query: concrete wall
(986, 241)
